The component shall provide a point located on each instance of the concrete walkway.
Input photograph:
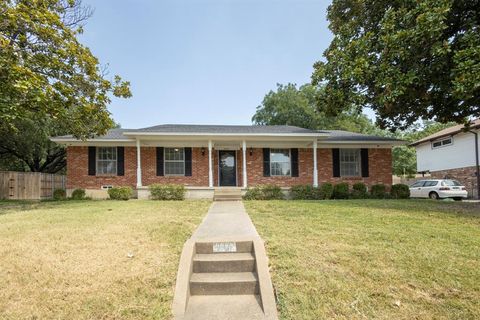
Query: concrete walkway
(229, 286)
(226, 220)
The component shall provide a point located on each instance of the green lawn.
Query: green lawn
(92, 259)
(372, 259)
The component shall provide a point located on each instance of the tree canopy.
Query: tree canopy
(46, 72)
(28, 147)
(292, 105)
(404, 59)
(296, 106)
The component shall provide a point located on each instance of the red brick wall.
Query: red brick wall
(380, 168)
(255, 169)
(199, 176)
(77, 170)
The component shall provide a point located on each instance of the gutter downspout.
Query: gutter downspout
(477, 162)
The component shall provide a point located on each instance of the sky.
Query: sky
(204, 61)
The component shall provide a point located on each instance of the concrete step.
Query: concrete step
(227, 191)
(207, 247)
(224, 262)
(227, 199)
(225, 283)
(232, 196)
(224, 308)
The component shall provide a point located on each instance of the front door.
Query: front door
(227, 168)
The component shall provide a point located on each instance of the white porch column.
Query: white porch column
(244, 163)
(315, 171)
(139, 165)
(210, 171)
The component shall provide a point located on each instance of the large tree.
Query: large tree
(289, 105)
(46, 72)
(405, 59)
(28, 147)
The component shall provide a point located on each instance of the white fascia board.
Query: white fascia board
(94, 142)
(365, 142)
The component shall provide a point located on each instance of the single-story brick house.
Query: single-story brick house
(203, 157)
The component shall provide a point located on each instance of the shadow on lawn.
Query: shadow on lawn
(411, 205)
(25, 205)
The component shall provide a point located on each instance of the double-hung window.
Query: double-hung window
(350, 163)
(280, 162)
(106, 160)
(174, 160)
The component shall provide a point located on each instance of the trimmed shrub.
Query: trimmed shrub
(59, 194)
(120, 193)
(253, 194)
(326, 191)
(305, 192)
(265, 192)
(359, 190)
(378, 191)
(167, 191)
(78, 194)
(400, 191)
(340, 191)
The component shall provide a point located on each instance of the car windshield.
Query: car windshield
(450, 183)
(417, 184)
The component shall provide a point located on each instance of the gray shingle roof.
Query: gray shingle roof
(235, 129)
(113, 134)
(333, 135)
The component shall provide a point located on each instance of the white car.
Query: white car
(438, 189)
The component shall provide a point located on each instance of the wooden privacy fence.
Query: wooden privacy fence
(29, 185)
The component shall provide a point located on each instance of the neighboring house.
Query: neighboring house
(203, 157)
(451, 154)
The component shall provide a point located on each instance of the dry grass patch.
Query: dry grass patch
(369, 259)
(92, 259)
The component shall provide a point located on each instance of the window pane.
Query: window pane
(107, 160)
(174, 168)
(174, 161)
(418, 184)
(280, 162)
(451, 183)
(280, 155)
(174, 154)
(350, 162)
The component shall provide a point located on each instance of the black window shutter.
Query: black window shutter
(266, 162)
(159, 161)
(364, 159)
(336, 162)
(120, 161)
(294, 161)
(188, 162)
(92, 159)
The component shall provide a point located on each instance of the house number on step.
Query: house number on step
(224, 247)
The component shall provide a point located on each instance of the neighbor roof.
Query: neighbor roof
(474, 124)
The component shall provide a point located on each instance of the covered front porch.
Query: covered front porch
(225, 161)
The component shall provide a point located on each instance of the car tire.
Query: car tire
(433, 195)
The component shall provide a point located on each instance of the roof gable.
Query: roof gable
(474, 124)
